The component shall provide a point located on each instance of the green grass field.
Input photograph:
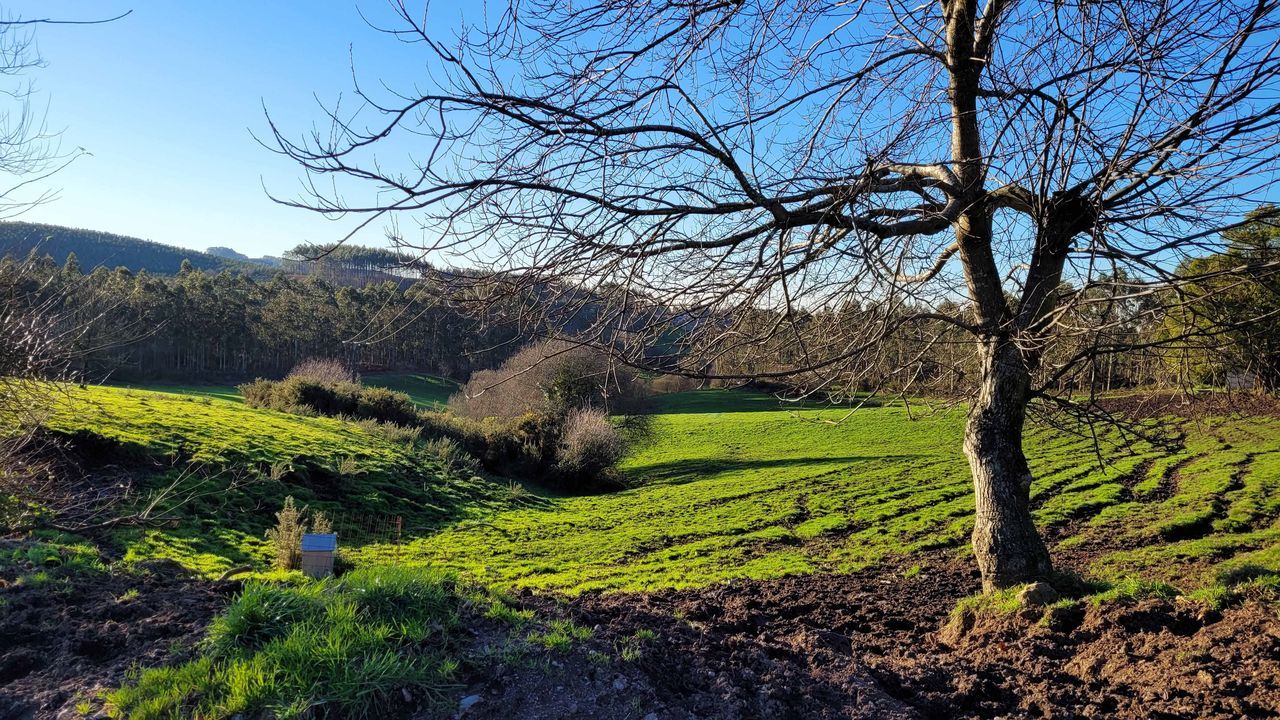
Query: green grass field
(725, 485)
(765, 492)
(239, 463)
(729, 485)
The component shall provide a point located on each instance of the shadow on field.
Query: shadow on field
(690, 470)
(736, 401)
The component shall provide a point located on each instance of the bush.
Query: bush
(258, 394)
(386, 406)
(407, 434)
(286, 537)
(589, 451)
(326, 371)
(454, 457)
(304, 395)
(529, 444)
(664, 384)
(551, 378)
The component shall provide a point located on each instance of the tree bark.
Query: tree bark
(1006, 545)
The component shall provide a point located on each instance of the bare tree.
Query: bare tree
(822, 177)
(30, 152)
(38, 331)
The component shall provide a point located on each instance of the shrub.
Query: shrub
(304, 395)
(664, 384)
(551, 378)
(589, 451)
(325, 398)
(453, 455)
(258, 394)
(407, 434)
(326, 371)
(386, 406)
(286, 536)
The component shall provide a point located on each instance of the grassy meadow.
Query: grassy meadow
(227, 468)
(725, 484)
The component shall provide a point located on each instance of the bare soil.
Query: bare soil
(1140, 406)
(63, 641)
(873, 644)
(877, 645)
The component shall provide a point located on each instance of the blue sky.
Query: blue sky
(165, 100)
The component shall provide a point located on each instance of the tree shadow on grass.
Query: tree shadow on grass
(682, 471)
(736, 401)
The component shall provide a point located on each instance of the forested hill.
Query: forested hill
(94, 248)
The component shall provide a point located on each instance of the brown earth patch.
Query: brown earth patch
(64, 640)
(1140, 406)
(869, 645)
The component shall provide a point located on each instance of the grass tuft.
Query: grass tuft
(340, 648)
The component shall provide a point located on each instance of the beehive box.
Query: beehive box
(318, 550)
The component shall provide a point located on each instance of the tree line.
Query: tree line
(94, 248)
(204, 325)
(199, 324)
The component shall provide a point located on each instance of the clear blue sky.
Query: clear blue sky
(165, 100)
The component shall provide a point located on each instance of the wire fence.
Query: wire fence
(380, 535)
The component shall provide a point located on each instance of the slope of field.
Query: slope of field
(234, 465)
(429, 392)
(766, 493)
(776, 562)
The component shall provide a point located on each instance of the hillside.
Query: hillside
(94, 248)
(237, 464)
(764, 561)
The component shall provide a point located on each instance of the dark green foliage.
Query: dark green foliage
(94, 249)
(207, 325)
(385, 405)
(1233, 319)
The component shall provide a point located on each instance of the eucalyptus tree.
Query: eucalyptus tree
(844, 169)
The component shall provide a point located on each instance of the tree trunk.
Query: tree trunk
(1006, 545)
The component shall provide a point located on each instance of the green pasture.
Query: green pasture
(724, 485)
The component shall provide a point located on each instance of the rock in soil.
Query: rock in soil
(1038, 594)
